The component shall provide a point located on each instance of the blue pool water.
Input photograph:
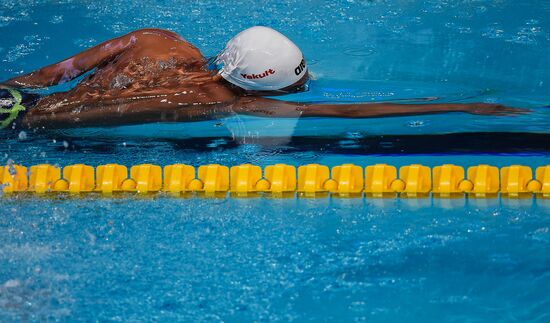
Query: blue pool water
(190, 259)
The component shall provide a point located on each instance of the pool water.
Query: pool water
(131, 258)
(259, 259)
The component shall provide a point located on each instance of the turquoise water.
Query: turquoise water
(191, 259)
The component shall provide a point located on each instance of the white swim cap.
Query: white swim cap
(261, 59)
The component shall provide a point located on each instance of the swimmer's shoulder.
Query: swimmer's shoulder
(155, 34)
(154, 39)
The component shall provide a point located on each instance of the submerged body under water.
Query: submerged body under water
(162, 258)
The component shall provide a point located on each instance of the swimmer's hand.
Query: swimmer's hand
(491, 109)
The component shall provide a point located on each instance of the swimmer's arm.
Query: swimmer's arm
(74, 66)
(55, 115)
(286, 109)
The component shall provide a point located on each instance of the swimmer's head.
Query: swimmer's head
(262, 60)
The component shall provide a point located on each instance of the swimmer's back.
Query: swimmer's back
(156, 61)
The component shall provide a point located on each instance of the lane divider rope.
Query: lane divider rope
(347, 180)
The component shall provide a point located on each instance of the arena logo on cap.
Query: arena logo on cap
(300, 68)
(258, 76)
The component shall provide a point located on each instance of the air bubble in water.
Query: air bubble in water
(416, 123)
(56, 19)
(11, 283)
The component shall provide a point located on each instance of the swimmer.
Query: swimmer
(154, 75)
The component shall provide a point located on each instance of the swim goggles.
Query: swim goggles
(13, 111)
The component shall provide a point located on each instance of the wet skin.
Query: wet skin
(154, 75)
